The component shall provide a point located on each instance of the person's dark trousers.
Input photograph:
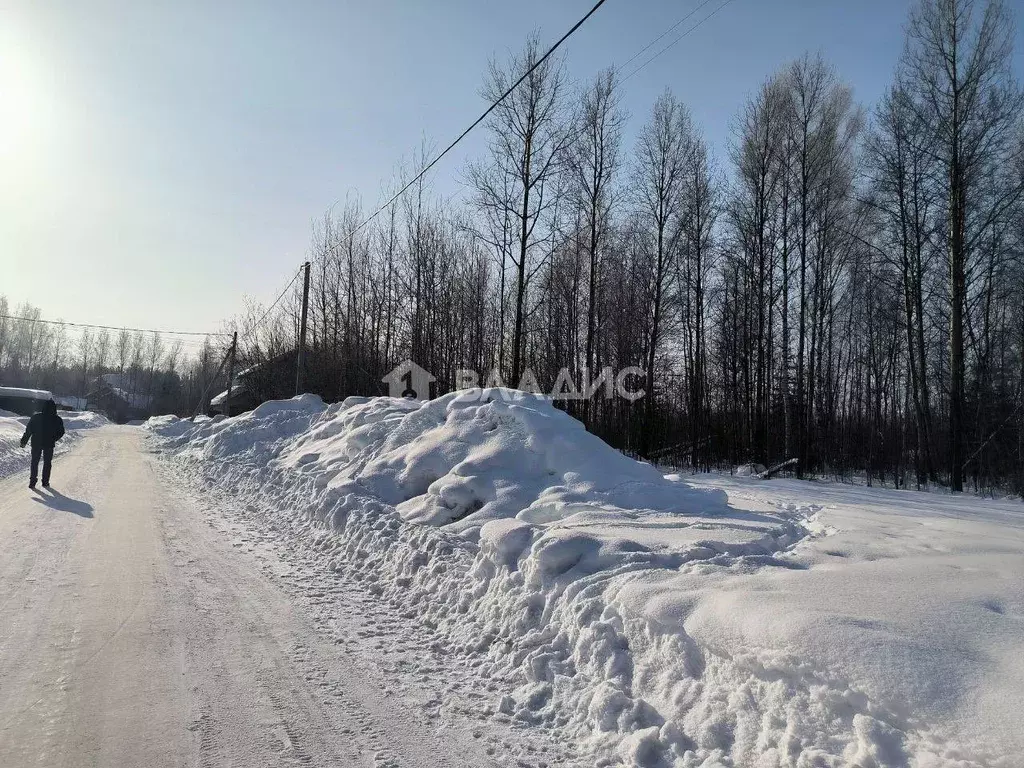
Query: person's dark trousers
(47, 453)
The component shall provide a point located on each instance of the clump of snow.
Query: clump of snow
(653, 622)
(83, 419)
(749, 470)
(464, 460)
(248, 438)
(167, 425)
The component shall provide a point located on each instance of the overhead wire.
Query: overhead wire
(660, 37)
(529, 71)
(259, 323)
(423, 172)
(680, 37)
(494, 105)
(112, 327)
(186, 338)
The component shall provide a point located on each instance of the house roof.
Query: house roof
(236, 389)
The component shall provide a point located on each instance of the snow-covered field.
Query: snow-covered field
(14, 458)
(642, 619)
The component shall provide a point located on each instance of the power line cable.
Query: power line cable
(259, 323)
(660, 37)
(435, 160)
(185, 334)
(505, 95)
(680, 37)
(111, 327)
(482, 117)
(526, 74)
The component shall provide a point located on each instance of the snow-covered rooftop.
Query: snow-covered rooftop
(237, 388)
(33, 394)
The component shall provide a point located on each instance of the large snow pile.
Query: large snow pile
(653, 622)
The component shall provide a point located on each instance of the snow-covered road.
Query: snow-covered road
(133, 634)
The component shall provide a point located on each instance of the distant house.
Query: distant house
(112, 394)
(269, 380)
(23, 401)
(241, 399)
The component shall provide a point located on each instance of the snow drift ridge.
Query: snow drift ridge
(562, 568)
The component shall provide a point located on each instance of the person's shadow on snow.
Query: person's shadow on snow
(59, 501)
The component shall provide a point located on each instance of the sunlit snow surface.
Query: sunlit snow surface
(691, 621)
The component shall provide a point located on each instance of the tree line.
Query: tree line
(844, 286)
(67, 360)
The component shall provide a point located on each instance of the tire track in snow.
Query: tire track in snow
(305, 693)
(382, 643)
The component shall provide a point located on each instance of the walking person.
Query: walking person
(44, 429)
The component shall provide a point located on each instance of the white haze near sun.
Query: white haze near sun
(114, 204)
(23, 99)
(30, 119)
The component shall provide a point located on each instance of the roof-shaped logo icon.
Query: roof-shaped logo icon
(410, 381)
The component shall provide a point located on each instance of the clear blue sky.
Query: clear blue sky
(160, 160)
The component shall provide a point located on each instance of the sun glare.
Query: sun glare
(19, 101)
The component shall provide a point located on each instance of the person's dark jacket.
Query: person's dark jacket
(44, 428)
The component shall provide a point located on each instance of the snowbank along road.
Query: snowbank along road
(641, 620)
(134, 634)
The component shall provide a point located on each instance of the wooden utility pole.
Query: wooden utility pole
(231, 373)
(300, 362)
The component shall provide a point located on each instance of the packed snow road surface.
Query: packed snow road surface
(134, 634)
